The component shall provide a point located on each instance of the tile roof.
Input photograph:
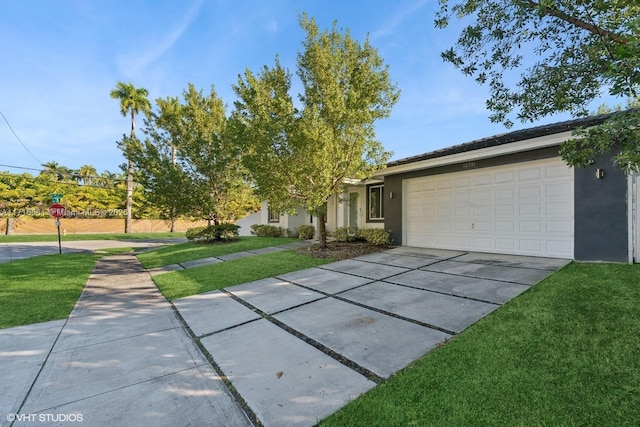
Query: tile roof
(506, 138)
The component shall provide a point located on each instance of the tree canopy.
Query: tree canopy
(301, 153)
(189, 164)
(544, 57)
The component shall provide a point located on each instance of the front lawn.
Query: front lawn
(176, 254)
(224, 274)
(566, 352)
(42, 288)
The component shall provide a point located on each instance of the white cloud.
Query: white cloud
(134, 63)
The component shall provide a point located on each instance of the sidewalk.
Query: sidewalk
(122, 358)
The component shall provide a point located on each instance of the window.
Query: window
(274, 216)
(376, 205)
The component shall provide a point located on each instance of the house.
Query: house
(508, 194)
(360, 205)
(513, 194)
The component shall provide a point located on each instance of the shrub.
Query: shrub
(306, 232)
(345, 234)
(194, 232)
(264, 230)
(375, 236)
(213, 233)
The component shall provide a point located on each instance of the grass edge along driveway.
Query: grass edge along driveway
(220, 275)
(565, 352)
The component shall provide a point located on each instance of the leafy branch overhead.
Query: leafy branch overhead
(544, 57)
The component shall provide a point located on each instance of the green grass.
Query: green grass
(76, 237)
(224, 274)
(190, 251)
(42, 288)
(564, 353)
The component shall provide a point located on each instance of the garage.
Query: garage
(524, 208)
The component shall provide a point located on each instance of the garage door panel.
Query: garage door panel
(532, 174)
(523, 209)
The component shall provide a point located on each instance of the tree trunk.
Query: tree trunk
(173, 208)
(322, 231)
(129, 202)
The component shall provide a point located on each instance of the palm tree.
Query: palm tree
(87, 173)
(132, 101)
(56, 170)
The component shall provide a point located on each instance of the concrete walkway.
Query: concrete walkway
(284, 351)
(19, 250)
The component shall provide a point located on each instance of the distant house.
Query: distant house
(361, 205)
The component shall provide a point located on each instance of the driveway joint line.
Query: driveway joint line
(312, 342)
(235, 394)
(449, 294)
(475, 277)
(115, 340)
(377, 310)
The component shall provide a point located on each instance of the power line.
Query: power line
(18, 138)
(45, 170)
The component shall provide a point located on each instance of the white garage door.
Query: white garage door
(524, 208)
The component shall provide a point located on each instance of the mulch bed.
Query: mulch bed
(342, 250)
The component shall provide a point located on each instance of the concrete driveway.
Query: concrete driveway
(299, 346)
(283, 351)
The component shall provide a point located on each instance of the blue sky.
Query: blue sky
(62, 58)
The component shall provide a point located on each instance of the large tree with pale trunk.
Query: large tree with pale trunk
(302, 152)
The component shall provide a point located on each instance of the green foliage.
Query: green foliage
(264, 230)
(306, 232)
(213, 233)
(300, 156)
(561, 55)
(194, 233)
(84, 195)
(618, 135)
(375, 236)
(190, 164)
(345, 234)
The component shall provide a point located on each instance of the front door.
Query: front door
(353, 210)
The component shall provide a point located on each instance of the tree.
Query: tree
(189, 164)
(87, 173)
(302, 156)
(564, 54)
(132, 101)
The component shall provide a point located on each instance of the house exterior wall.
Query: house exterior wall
(394, 216)
(601, 218)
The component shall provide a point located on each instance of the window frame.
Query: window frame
(273, 217)
(379, 189)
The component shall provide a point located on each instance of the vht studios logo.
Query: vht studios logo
(44, 418)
